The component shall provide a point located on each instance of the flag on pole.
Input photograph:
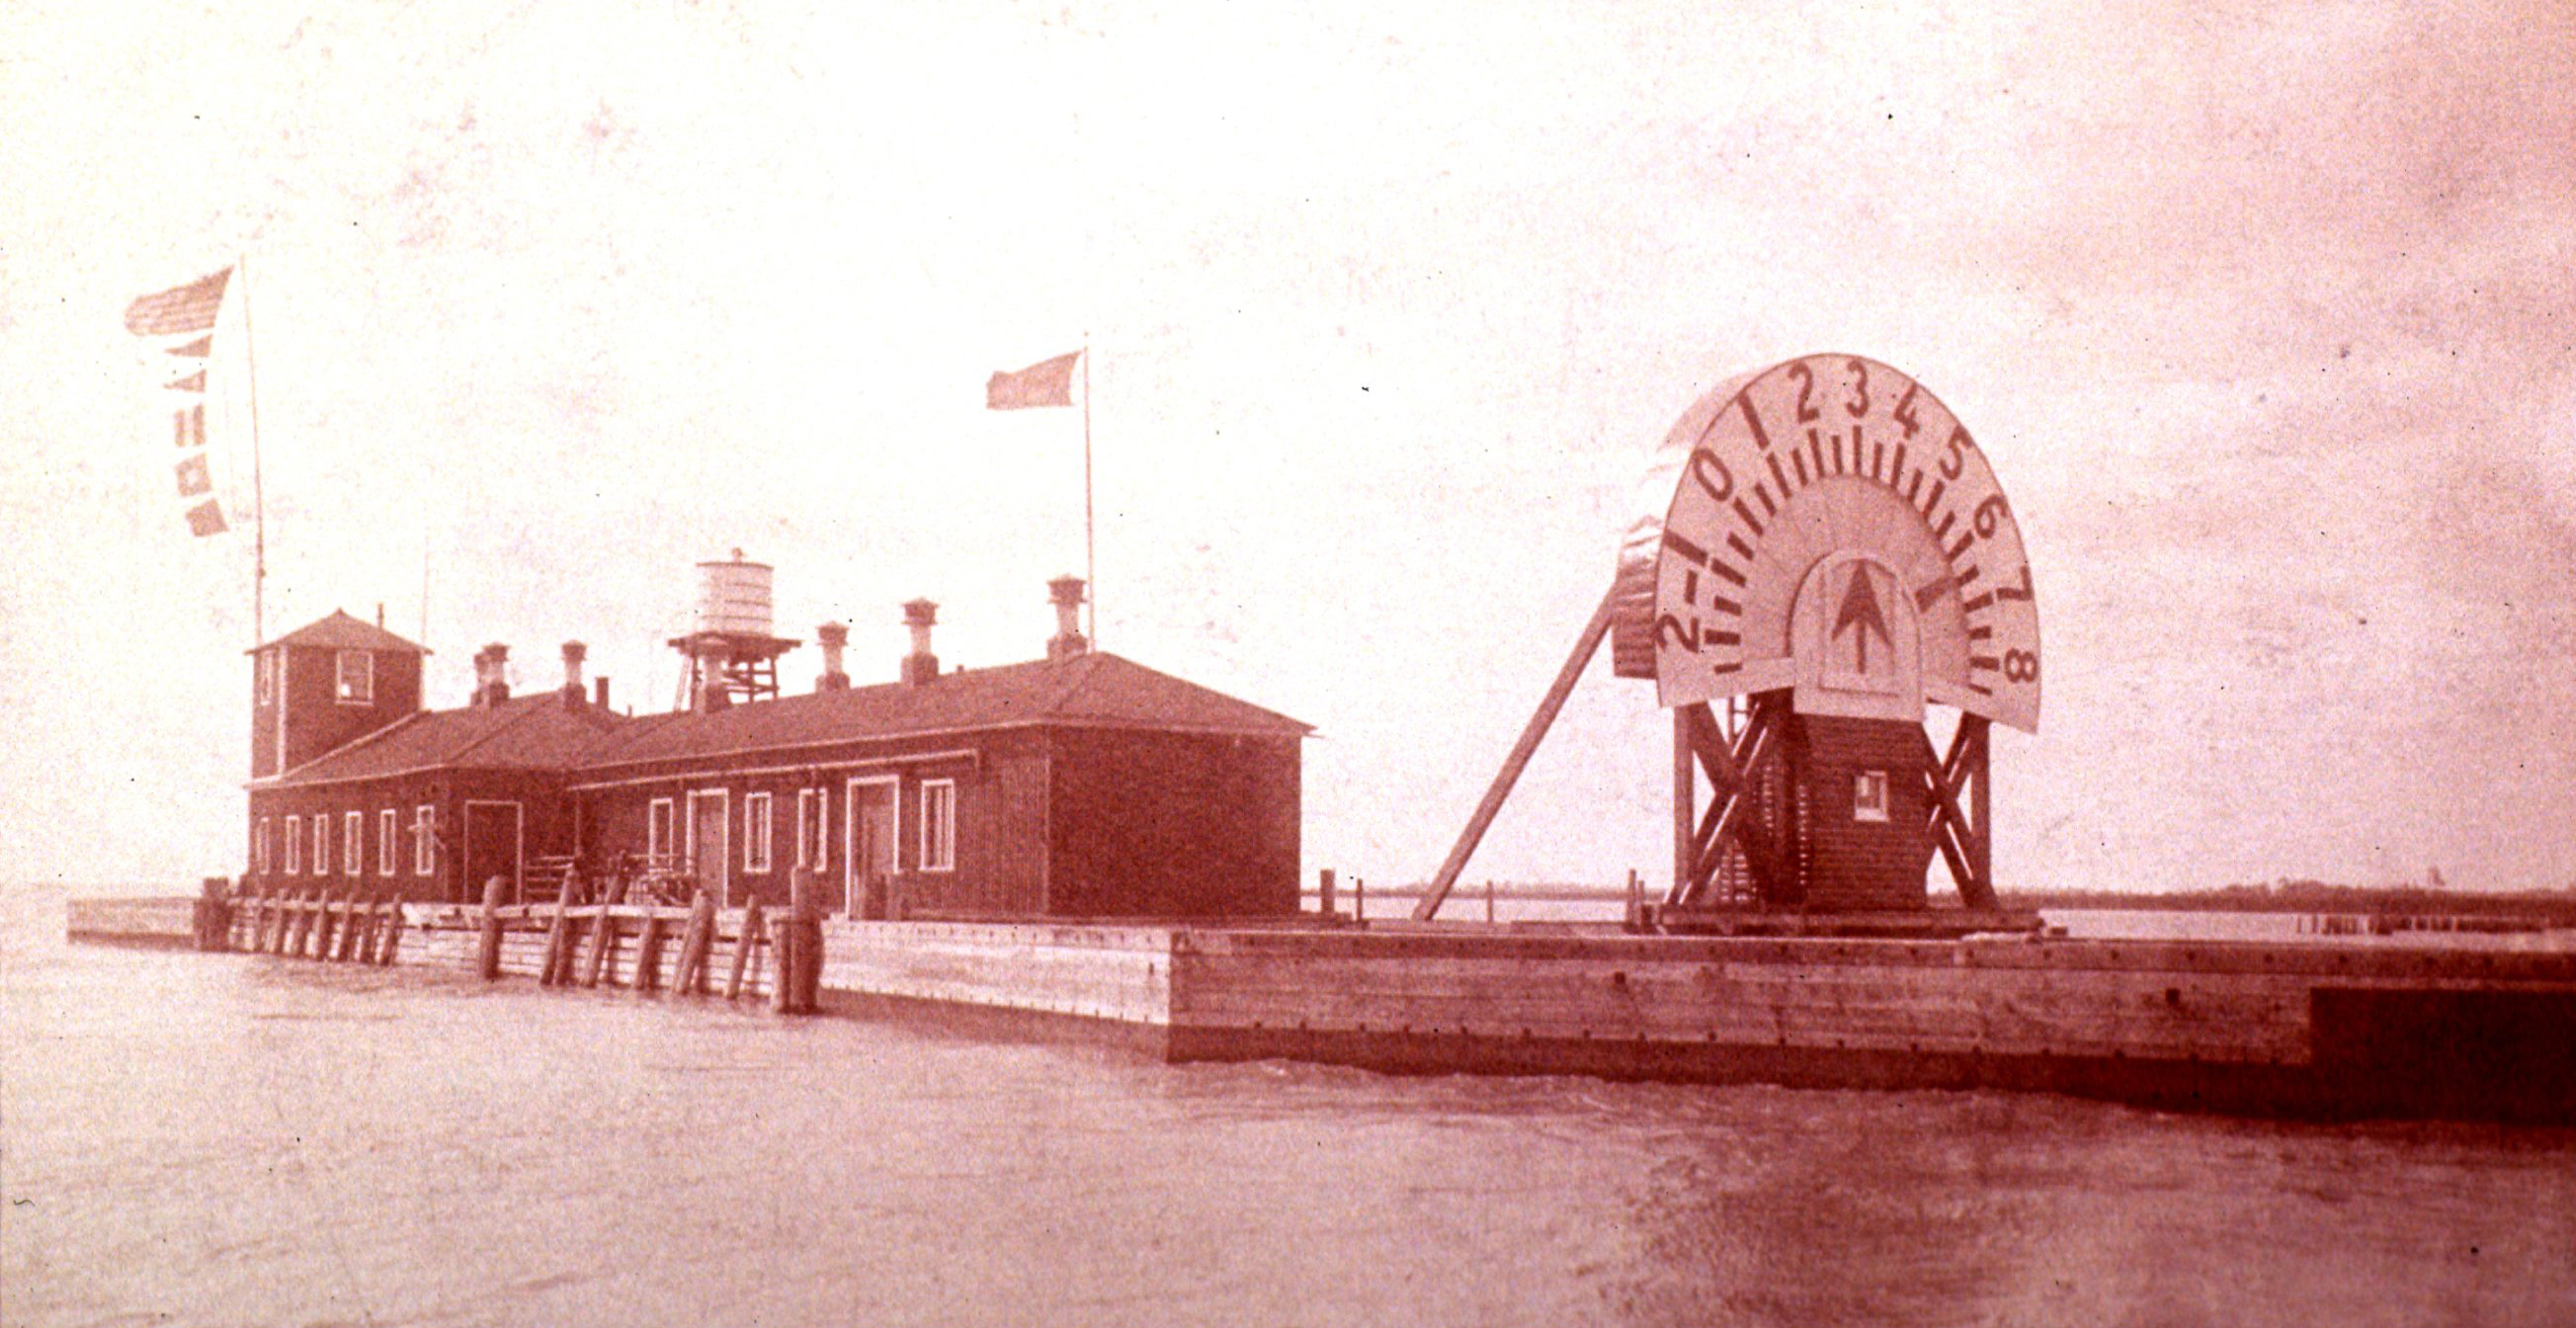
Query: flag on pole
(189, 308)
(201, 348)
(195, 382)
(206, 518)
(194, 478)
(190, 425)
(1046, 383)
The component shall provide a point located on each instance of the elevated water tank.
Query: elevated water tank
(733, 597)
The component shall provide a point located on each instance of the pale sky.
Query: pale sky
(2262, 314)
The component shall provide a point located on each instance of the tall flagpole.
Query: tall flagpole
(1090, 562)
(258, 498)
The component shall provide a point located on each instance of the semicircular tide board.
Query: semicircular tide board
(1826, 525)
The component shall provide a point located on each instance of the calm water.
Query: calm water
(234, 1140)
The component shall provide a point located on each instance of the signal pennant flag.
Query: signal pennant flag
(189, 308)
(206, 518)
(194, 478)
(1046, 383)
(195, 382)
(190, 425)
(201, 348)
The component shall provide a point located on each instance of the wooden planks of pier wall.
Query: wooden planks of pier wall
(2210, 1026)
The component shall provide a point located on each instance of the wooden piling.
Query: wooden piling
(301, 945)
(212, 915)
(603, 938)
(488, 957)
(556, 971)
(690, 978)
(1359, 899)
(1324, 890)
(392, 940)
(648, 953)
(370, 917)
(326, 926)
(744, 949)
(352, 916)
(800, 969)
(1489, 901)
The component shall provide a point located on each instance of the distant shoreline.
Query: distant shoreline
(2290, 897)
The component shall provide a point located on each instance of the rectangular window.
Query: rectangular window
(424, 840)
(657, 833)
(294, 845)
(357, 677)
(264, 668)
(353, 842)
(321, 843)
(755, 832)
(813, 848)
(939, 825)
(259, 846)
(386, 830)
(1869, 795)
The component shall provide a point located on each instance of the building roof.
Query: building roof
(1087, 689)
(534, 732)
(341, 632)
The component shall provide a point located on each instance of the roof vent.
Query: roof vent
(492, 675)
(1068, 641)
(835, 637)
(574, 652)
(920, 666)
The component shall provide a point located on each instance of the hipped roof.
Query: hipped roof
(341, 632)
(542, 732)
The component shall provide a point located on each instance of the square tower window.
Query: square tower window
(357, 677)
(1869, 795)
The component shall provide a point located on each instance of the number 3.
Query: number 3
(1859, 404)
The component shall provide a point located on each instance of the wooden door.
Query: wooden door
(492, 848)
(711, 844)
(868, 860)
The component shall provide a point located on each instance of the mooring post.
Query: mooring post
(691, 976)
(308, 920)
(1636, 920)
(807, 986)
(1324, 891)
(1359, 899)
(352, 913)
(746, 950)
(603, 934)
(785, 947)
(556, 971)
(392, 940)
(318, 946)
(488, 959)
(371, 928)
(1489, 901)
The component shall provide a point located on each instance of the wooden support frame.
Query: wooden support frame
(1963, 833)
(1702, 838)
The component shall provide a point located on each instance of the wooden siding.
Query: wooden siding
(1147, 824)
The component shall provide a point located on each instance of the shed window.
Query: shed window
(353, 842)
(657, 833)
(812, 817)
(755, 832)
(259, 846)
(321, 843)
(386, 830)
(294, 845)
(1869, 795)
(357, 680)
(424, 840)
(939, 825)
(264, 668)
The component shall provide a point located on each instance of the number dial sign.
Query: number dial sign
(1843, 467)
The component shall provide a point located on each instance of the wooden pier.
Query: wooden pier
(2310, 1028)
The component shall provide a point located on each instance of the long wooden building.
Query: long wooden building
(1079, 785)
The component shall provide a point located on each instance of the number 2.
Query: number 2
(1806, 387)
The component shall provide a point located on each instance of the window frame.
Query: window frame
(259, 845)
(294, 845)
(814, 828)
(938, 796)
(758, 830)
(660, 820)
(1868, 809)
(365, 693)
(387, 830)
(353, 843)
(321, 843)
(424, 841)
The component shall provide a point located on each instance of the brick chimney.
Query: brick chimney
(1068, 641)
(920, 666)
(573, 654)
(492, 675)
(834, 637)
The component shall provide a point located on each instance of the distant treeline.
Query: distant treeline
(2303, 896)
